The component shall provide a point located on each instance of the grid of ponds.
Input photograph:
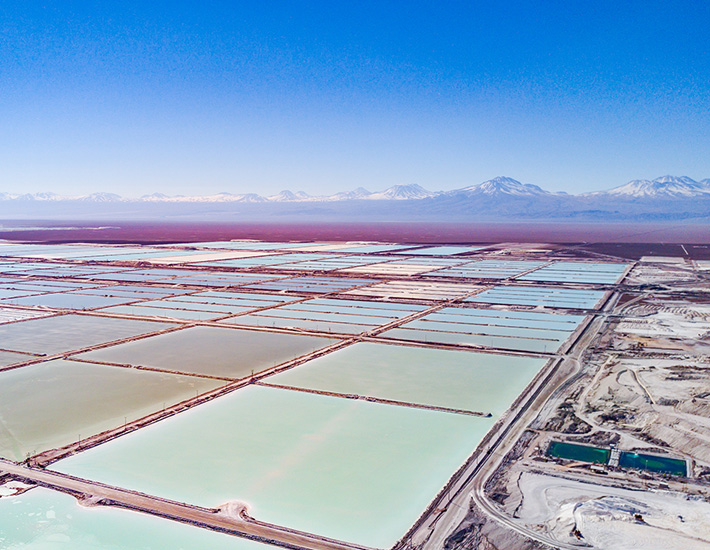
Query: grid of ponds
(539, 296)
(578, 272)
(292, 446)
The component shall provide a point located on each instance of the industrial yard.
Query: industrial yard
(345, 395)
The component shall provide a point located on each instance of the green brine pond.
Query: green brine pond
(583, 453)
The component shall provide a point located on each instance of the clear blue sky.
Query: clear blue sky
(203, 97)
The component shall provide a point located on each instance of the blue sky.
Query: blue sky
(242, 96)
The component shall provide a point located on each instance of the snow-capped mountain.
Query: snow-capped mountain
(402, 192)
(219, 197)
(252, 198)
(289, 196)
(503, 186)
(663, 187)
(39, 197)
(155, 197)
(359, 193)
(101, 197)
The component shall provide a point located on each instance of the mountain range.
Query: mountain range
(664, 198)
(663, 187)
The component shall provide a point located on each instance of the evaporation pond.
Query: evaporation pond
(478, 382)
(41, 519)
(51, 335)
(50, 404)
(224, 352)
(347, 469)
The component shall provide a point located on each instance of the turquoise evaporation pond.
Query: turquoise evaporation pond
(534, 296)
(212, 351)
(346, 469)
(479, 382)
(63, 333)
(49, 405)
(41, 519)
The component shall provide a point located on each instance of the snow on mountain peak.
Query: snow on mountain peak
(101, 197)
(666, 186)
(289, 196)
(402, 192)
(504, 186)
